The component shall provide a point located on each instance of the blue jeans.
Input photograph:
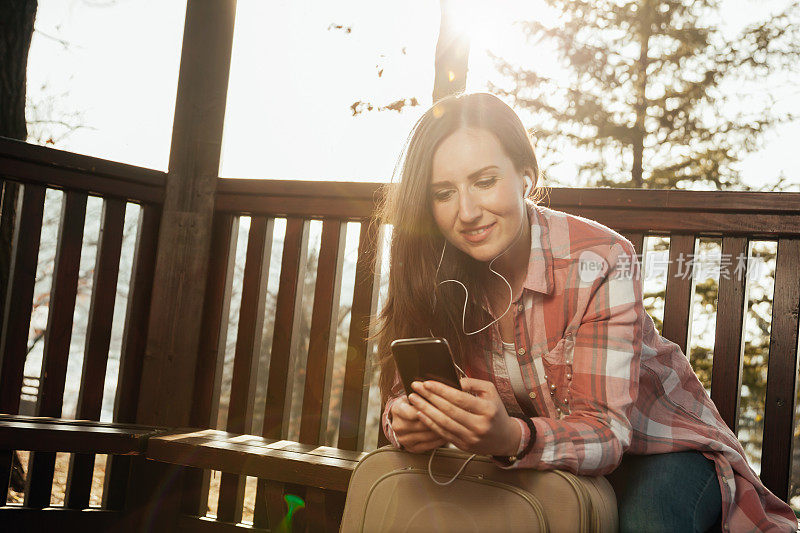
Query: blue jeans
(667, 492)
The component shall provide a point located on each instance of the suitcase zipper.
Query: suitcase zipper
(584, 501)
(535, 505)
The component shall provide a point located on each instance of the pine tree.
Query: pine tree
(650, 86)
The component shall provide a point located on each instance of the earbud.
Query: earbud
(528, 186)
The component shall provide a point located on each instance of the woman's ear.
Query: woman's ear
(530, 178)
(528, 186)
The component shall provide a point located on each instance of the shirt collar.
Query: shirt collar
(540, 264)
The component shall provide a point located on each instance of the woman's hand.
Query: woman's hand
(411, 433)
(476, 424)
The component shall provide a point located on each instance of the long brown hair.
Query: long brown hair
(416, 306)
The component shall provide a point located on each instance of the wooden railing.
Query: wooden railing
(735, 217)
(37, 169)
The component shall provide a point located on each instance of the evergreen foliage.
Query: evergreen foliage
(654, 88)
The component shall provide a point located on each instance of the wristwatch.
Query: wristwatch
(508, 460)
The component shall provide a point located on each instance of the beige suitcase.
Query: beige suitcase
(390, 490)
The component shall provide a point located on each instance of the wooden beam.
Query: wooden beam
(184, 240)
(182, 256)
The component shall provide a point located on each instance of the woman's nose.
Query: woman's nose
(469, 209)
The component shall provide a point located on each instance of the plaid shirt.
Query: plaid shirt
(602, 379)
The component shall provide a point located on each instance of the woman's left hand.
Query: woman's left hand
(476, 424)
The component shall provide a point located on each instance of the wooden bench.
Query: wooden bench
(307, 467)
(320, 469)
(42, 434)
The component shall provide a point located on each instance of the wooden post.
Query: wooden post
(185, 236)
(168, 370)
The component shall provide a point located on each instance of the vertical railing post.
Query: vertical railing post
(168, 370)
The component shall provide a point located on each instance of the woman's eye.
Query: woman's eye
(485, 183)
(442, 195)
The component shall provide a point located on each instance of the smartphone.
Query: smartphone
(423, 359)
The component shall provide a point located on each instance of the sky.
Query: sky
(112, 68)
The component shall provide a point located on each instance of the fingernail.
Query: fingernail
(416, 385)
(412, 397)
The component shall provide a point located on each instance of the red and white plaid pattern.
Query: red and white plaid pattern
(602, 379)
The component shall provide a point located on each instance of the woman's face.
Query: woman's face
(476, 194)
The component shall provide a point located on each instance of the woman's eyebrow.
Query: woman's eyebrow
(472, 176)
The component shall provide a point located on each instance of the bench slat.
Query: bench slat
(270, 513)
(16, 324)
(365, 294)
(132, 351)
(249, 455)
(776, 460)
(16, 518)
(322, 337)
(136, 315)
(211, 350)
(287, 314)
(637, 239)
(98, 339)
(726, 379)
(41, 434)
(324, 509)
(57, 340)
(214, 331)
(19, 295)
(678, 297)
(245, 363)
(203, 524)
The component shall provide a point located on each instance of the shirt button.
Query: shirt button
(532, 394)
(521, 351)
(552, 386)
(521, 307)
(569, 376)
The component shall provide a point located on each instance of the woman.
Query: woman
(544, 312)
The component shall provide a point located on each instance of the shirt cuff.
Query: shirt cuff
(525, 435)
(387, 425)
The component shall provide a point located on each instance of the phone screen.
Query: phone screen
(423, 359)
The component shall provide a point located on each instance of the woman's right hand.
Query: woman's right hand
(410, 431)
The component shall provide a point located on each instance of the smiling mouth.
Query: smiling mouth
(477, 234)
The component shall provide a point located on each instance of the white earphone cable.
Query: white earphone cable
(463, 328)
(466, 291)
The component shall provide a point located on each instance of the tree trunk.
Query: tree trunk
(452, 54)
(16, 30)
